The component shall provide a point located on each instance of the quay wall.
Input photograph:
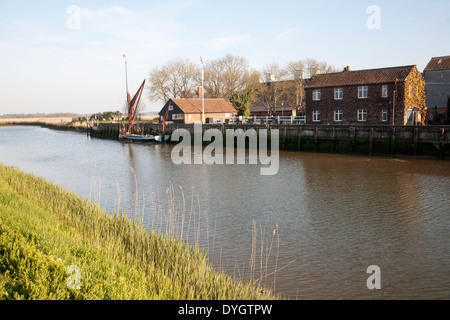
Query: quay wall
(431, 141)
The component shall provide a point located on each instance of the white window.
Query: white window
(384, 91)
(362, 92)
(384, 115)
(362, 115)
(338, 115)
(227, 115)
(316, 116)
(177, 116)
(190, 117)
(338, 94)
(316, 95)
(170, 107)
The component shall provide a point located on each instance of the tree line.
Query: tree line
(233, 79)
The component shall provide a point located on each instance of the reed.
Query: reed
(195, 227)
(44, 229)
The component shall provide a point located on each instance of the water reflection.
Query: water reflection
(336, 214)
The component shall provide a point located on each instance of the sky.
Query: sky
(67, 56)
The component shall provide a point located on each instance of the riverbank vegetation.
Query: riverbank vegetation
(57, 245)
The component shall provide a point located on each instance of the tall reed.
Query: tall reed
(119, 258)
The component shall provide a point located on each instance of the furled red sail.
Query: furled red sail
(132, 105)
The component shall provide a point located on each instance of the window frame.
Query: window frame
(384, 115)
(338, 93)
(316, 95)
(363, 92)
(362, 115)
(177, 116)
(339, 114)
(316, 116)
(384, 91)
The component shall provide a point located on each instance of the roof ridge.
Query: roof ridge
(440, 57)
(374, 69)
(193, 105)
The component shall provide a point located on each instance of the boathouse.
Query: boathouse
(185, 111)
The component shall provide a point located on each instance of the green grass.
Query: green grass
(45, 229)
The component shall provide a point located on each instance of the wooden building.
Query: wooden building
(191, 110)
(390, 96)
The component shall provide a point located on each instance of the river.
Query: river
(311, 231)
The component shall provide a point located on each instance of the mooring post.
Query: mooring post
(352, 138)
(333, 136)
(416, 140)
(299, 138)
(393, 133)
(316, 139)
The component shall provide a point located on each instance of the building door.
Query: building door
(411, 117)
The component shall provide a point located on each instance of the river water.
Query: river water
(310, 232)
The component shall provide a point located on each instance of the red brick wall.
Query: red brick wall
(350, 104)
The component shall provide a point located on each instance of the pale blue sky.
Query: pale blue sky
(47, 66)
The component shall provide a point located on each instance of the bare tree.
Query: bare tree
(296, 71)
(176, 79)
(274, 88)
(228, 76)
(313, 67)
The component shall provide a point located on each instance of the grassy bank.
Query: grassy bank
(65, 124)
(46, 230)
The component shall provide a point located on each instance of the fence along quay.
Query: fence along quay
(432, 141)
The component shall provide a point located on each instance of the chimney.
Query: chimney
(346, 69)
(200, 92)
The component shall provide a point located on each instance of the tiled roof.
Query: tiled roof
(361, 77)
(211, 105)
(438, 63)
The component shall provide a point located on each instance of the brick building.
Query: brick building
(191, 110)
(378, 96)
(259, 110)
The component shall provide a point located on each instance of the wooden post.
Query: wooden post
(393, 141)
(371, 133)
(333, 136)
(316, 140)
(299, 138)
(352, 138)
(416, 140)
